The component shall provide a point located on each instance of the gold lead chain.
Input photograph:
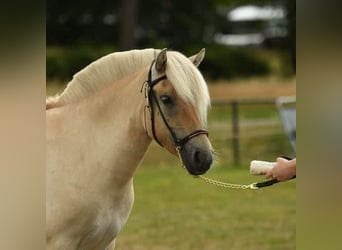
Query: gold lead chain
(225, 184)
(218, 183)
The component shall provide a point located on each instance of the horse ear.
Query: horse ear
(197, 59)
(161, 61)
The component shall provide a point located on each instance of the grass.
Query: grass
(173, 210)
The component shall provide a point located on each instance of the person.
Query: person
(283, 170)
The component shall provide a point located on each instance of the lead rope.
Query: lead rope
(218, 183)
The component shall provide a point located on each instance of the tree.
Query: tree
(127, 23)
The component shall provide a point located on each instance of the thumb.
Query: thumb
(281, 161)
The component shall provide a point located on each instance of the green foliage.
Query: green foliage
(63, 63)
(179, 25)
(225, 62)
(220, 61)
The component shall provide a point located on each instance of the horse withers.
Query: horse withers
(98, 130)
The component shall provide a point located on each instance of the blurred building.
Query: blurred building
(252, 25)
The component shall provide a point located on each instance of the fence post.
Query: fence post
(235, 130)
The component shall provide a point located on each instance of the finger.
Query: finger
(268, 175)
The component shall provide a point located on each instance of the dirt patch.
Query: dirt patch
(252, 89)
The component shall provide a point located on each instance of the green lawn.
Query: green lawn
(173, 210)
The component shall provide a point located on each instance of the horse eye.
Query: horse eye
(166, 99)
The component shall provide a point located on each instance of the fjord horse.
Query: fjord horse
(98, 130)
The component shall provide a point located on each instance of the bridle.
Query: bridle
(149, 97)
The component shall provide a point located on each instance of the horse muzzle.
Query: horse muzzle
(196, 160)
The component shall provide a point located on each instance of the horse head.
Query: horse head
(178, 99)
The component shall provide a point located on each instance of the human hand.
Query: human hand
(283, 170)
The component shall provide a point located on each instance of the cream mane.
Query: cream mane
(185, 77)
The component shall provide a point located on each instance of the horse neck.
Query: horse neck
(118, 112)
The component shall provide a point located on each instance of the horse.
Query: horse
(98, 130)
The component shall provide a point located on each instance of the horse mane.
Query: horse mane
(101, 73)
(184, 75)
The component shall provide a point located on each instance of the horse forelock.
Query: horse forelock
(188, 83)
(100, 73)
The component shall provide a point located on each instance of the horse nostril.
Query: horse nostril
(202, 159)
(197, 157)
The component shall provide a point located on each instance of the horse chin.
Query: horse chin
(196, 160)
(195, 171)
